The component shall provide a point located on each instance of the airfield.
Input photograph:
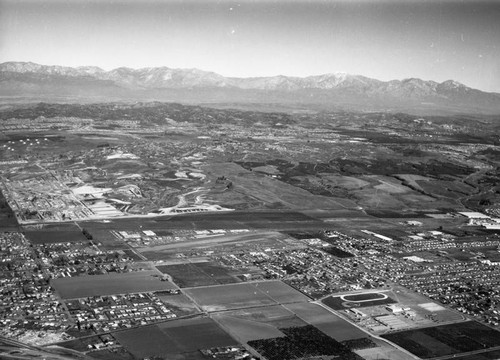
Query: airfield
(132, 237)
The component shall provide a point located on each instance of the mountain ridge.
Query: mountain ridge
(309, 81)
(31, 79)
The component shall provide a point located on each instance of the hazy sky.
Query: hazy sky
(433, 40)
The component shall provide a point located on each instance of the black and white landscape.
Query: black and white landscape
(249, 180)
(29, 81)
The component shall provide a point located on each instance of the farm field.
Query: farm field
(280, 292)
(97, 285)
(446, 339)
(197, 274)
(247, 330)
(257, 323)
(226, 297)
(216, 272)
(327, 322)
(194, 334)
(108, 241)
(146, 341)
(187, 275)
(55, 236)
(383, 350)
(178, 339)
(302, 342)
(276, 315)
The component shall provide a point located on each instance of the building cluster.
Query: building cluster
(470, 287)
(79, 258)
(228, 353)
(149, 238)
(486, 221)
(429, 240)
(107, 313)
(467, 286)
(436, 240)
(27, 301)
(42, 123)
(385, 318)
(43, 198)
(312, 271)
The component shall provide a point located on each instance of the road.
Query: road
(12, 349)
(459, 356)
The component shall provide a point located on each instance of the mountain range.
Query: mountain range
(30, 81)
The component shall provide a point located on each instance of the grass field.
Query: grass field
(276, 315)
(384, 192)
(198, 274)
(384, 350)
(247, 330)
(146, 341)
(446, 339)
(280, 292)
(187, 275)
(327, 322)
(95, 285)
(55, 236)
(216, 272)
(178, 339)
(271, 192)
(257, 323)
(194, 334)
(108, 240)
(225, 297)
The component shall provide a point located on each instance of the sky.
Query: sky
(383, 39)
